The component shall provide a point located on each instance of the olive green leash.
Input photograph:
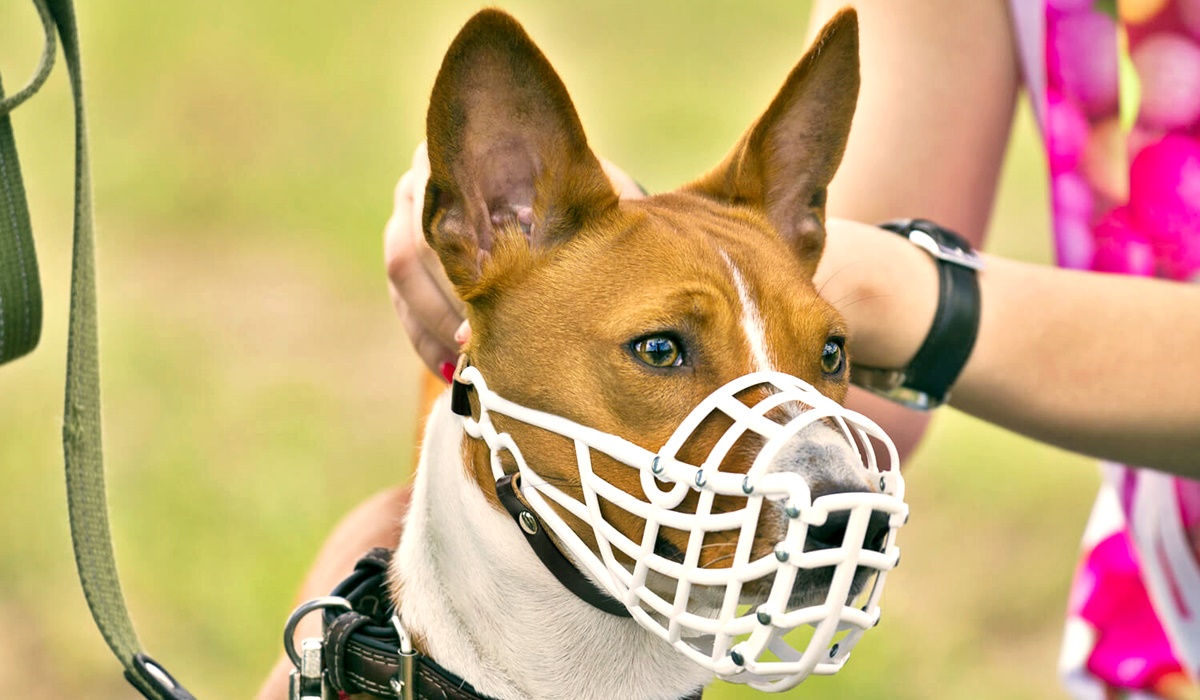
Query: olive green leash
(20, 328)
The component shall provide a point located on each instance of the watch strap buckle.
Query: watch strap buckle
(890, 384)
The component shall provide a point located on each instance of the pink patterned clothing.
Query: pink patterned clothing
(1118, 97)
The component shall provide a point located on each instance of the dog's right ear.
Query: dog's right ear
(509, 162)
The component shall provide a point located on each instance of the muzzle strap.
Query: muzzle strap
(552, 557)
(460, 401)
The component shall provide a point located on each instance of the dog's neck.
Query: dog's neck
(482, 605)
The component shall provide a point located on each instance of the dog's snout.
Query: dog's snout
(877, 531)
(832, 533)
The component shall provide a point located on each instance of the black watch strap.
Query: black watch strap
(925, 383)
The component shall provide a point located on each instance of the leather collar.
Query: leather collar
(362, 647)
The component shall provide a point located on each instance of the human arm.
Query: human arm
(1104, 365)
(939, 85)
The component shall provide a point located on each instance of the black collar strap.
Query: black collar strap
(362, 647)
(531, 526)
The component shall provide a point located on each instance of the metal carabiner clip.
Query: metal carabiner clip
(307, 681)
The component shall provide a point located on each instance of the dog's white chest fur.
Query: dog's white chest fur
(486, 608)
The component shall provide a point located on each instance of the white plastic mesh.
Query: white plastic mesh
(736, 616)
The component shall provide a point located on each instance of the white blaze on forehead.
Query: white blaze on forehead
(752, 322)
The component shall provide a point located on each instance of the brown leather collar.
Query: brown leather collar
(362, 648)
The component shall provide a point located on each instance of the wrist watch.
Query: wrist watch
(925, 383)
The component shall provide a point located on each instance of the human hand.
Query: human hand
(432, 314)
(424, 299)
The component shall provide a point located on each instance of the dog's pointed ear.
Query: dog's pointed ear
(785, 162)
(507, 153)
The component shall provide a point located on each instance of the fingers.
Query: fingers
(626, 187)
(432, 351)
(420, 161)
(424, 299)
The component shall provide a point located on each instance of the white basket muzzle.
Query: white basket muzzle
(801, 578)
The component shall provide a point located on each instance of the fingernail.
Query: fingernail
(447, 369)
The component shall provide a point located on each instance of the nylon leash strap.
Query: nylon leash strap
(20, 328)
(20, 290)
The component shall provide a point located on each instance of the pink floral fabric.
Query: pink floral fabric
(1121, 118)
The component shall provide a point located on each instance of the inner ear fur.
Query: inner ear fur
(785, 161)
(507, 153)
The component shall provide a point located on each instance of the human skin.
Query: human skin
(1100, 364)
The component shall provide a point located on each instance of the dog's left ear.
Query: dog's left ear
(786, 160)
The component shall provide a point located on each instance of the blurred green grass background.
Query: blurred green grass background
(257, 384)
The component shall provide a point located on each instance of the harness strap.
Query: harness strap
(20, 322)
(362, 648)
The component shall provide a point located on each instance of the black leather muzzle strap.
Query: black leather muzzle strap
(531, 526)
(552, 558)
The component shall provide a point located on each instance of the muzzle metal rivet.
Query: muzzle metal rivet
(792, 511)
(833, 651)
(897, 563)
(737, 658)
(528, 523)
(764, 617)
(882, 484)
(905, 521)
(655, 466)
(781, 552)
(700, 480)
(747, 487)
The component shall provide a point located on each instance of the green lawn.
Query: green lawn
(257, 385)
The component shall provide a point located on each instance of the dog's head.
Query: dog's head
(624, 315)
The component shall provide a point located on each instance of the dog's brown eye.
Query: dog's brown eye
(833, 357)
(658, 351)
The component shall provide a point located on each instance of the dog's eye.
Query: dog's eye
(658, 351)
(833, 357)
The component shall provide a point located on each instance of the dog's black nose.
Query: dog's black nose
(833, 532)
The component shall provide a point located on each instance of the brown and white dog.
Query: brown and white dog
(617, 315)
